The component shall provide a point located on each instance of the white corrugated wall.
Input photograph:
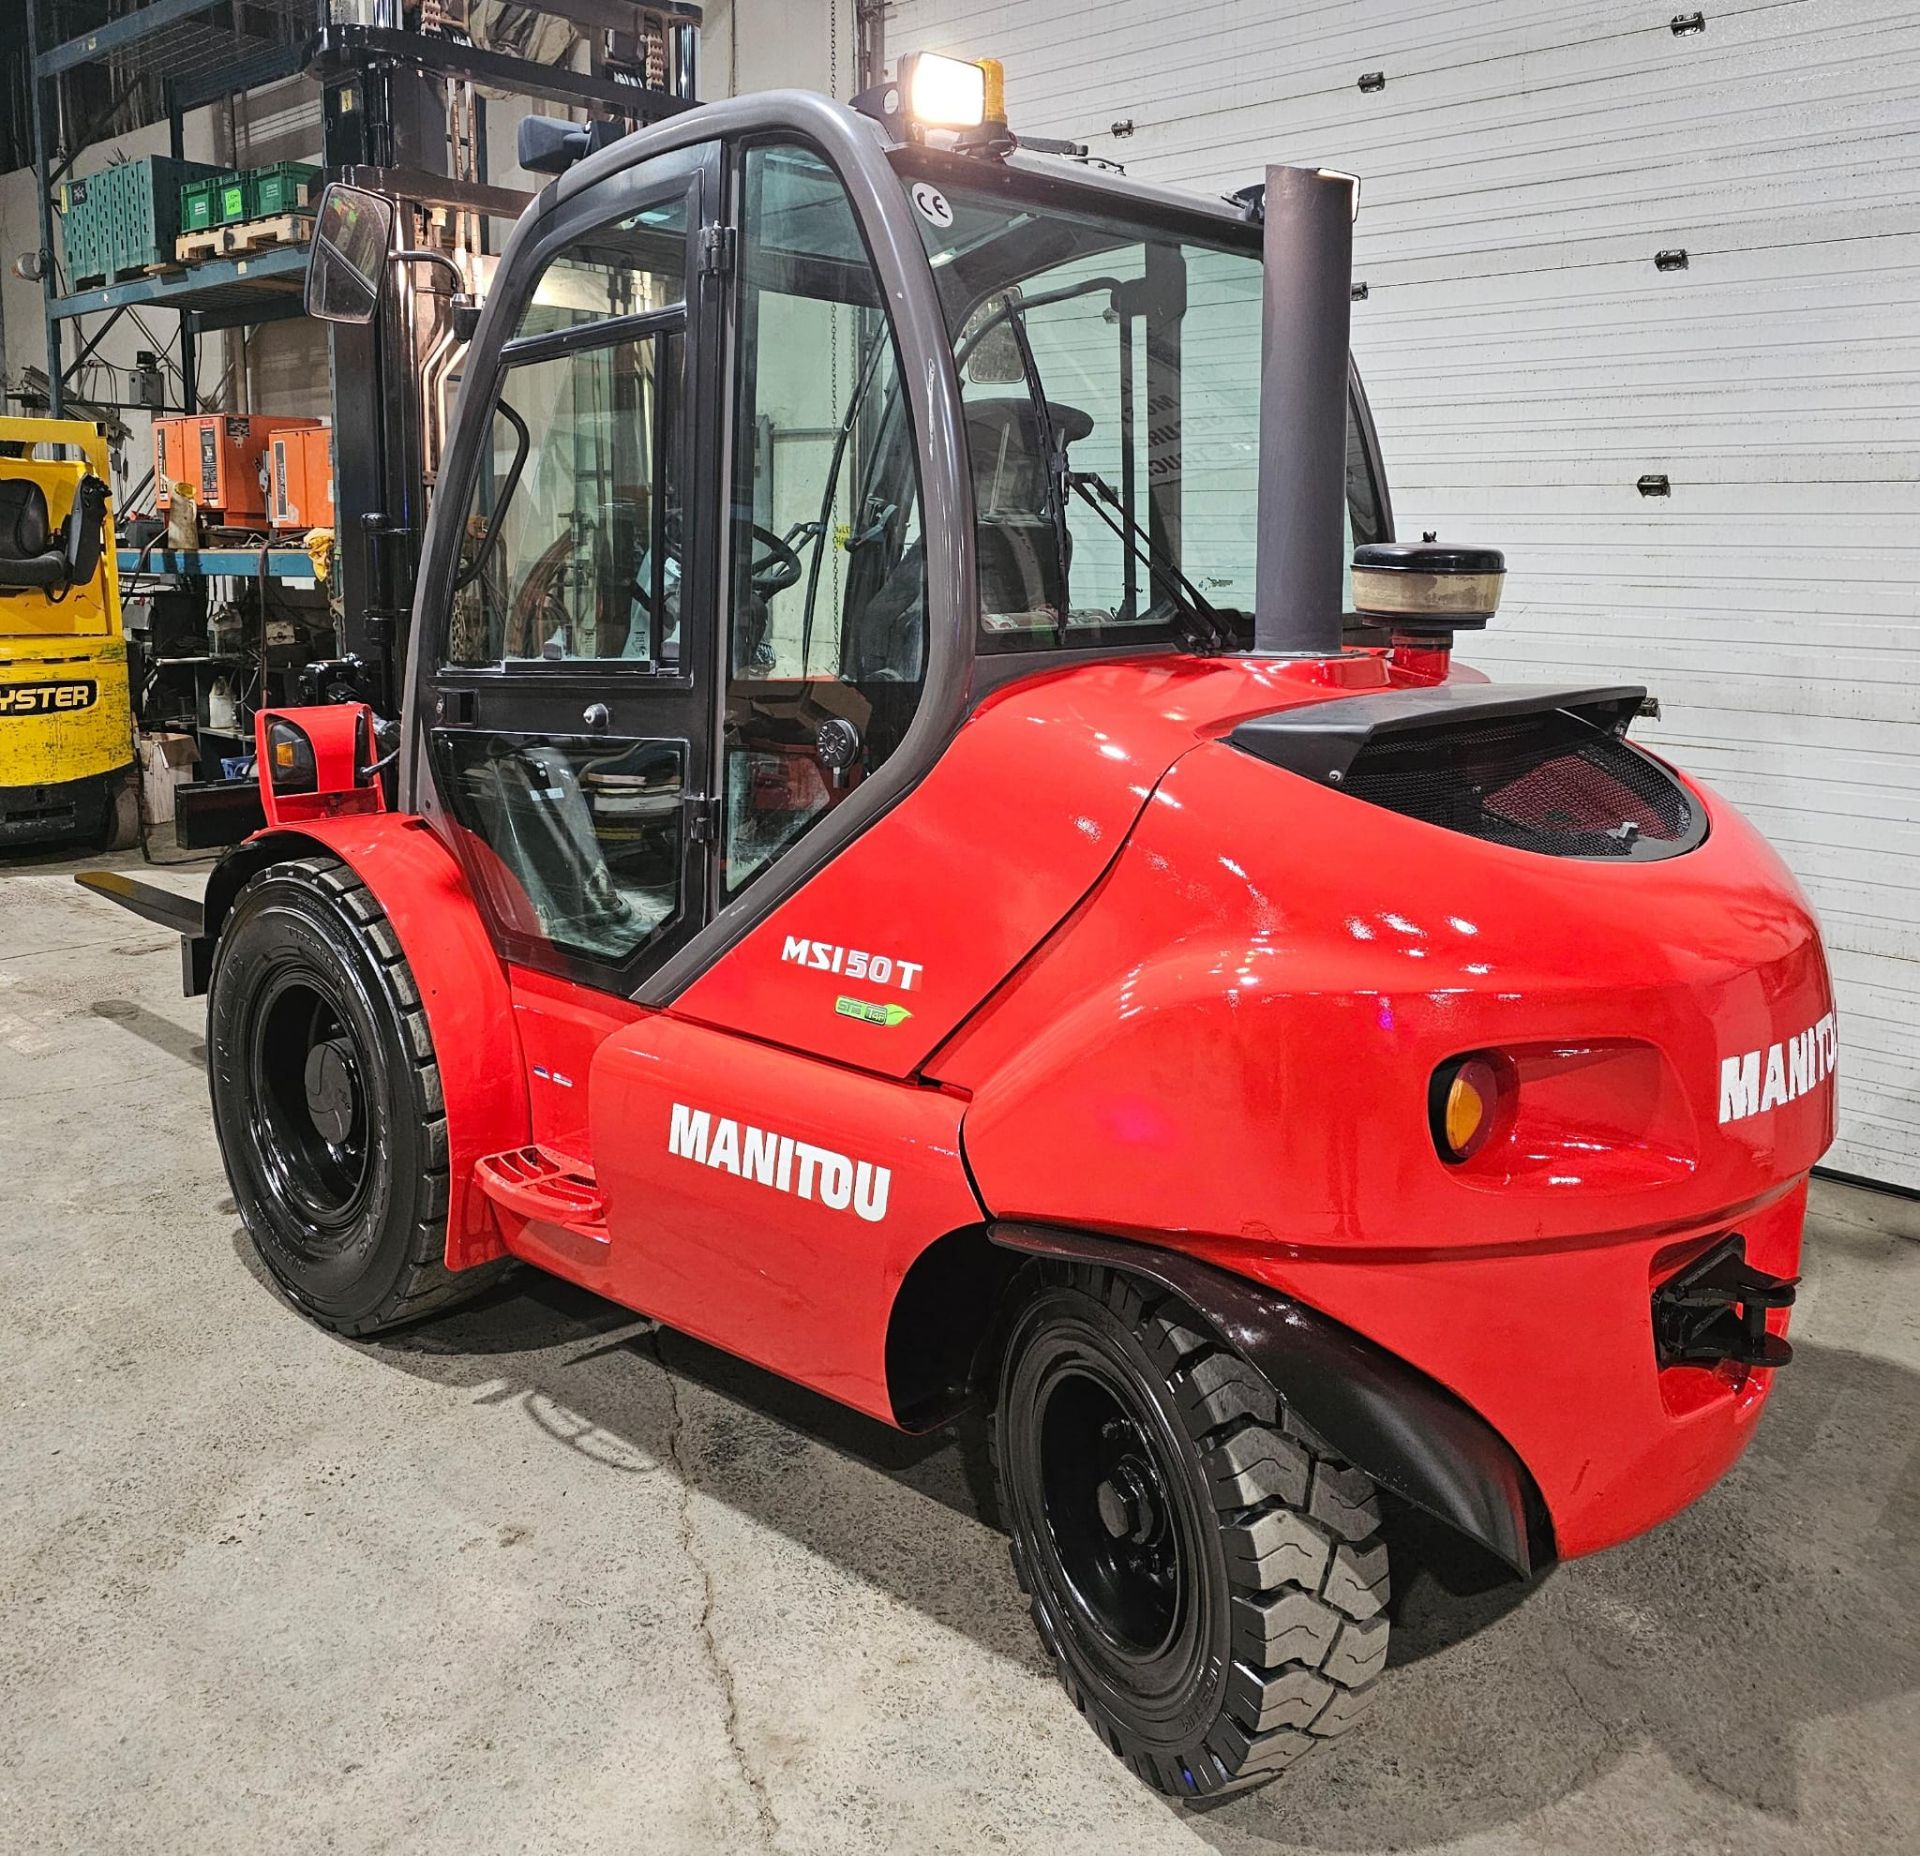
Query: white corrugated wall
(1528, 364)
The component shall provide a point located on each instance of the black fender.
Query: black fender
(1407, 1431)
(229, 876)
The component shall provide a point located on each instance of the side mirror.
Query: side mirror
(347, 264)
(551, 145)
(1427, 586)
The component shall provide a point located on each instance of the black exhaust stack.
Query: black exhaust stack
(1305, 324)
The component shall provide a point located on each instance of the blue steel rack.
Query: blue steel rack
(242, 563)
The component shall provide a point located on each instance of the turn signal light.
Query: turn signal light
(1464, 1103)
(290, 762)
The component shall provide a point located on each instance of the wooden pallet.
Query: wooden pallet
(236, 241)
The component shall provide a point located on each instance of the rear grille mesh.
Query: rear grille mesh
(1551, 782)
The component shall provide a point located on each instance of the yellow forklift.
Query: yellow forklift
(67, 766)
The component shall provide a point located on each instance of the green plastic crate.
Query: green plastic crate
(125, 218)
(232, 202)
(283, 188)
(145, 209)
(80, 228)
(197, 201)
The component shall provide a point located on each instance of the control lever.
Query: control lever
(85, 526)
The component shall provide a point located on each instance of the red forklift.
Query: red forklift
(935, 842)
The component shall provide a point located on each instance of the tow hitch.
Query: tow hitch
(1716, 1309)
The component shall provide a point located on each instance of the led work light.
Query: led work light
(944, 93)
(950, 102)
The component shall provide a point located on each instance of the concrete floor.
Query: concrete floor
(534, 1578)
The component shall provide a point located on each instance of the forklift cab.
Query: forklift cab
(781, 441)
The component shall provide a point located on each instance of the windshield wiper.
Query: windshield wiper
(820, 527)
(1012, 306)
(1202, 625)
(1202, 622)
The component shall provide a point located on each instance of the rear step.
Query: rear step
(538, 1186)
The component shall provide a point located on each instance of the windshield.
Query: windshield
(1110, 376)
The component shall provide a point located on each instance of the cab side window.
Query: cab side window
(827, 627)
(574, 530)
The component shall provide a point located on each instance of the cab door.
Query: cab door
(570, 738)
(573, 632)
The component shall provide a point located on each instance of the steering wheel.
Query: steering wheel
(774, 570)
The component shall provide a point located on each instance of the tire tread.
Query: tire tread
(1300, 1532)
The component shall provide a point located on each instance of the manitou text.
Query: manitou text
(778, 1160)
(1758, 1080)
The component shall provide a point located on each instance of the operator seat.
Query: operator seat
(1019, 567)
(28, 556)
(529, 806)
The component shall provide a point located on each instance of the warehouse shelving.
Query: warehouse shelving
(259, 285)
(390, 101)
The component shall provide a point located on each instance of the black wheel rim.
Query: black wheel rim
(310, 1114)
(1114, 1527)
(1111, 1512)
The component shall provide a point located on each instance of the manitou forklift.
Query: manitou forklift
(66, 728)
(936, 843)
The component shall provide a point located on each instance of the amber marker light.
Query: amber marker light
(1463, 1104)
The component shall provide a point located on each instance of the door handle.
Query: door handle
(837, 745)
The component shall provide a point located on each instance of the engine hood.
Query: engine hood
(891, 945)
(1236, 1031)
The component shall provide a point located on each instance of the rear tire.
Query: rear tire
(120, 829)
(327, 1097)
(1207, 1576)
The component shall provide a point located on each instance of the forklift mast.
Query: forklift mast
(398, 119)
(403, 114)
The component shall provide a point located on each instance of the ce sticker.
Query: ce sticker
(932, 205)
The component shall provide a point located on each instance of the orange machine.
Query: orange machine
(220, 457)
(300, 477)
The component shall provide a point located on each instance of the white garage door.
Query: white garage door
(1530, 363)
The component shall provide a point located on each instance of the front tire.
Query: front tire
(327, 1098)
(1207, 1576)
